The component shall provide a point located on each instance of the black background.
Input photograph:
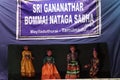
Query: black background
(59, 53)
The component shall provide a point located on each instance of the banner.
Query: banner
(58, 19)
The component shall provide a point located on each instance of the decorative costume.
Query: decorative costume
(49, 70)
(27, 68)
(94, 67)
(72, 66)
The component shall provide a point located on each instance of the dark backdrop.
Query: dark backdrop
(110, 34)
(59, 53)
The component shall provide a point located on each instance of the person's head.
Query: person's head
(25, 47)
(49, 52)
(94, 53)
(72, 48)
